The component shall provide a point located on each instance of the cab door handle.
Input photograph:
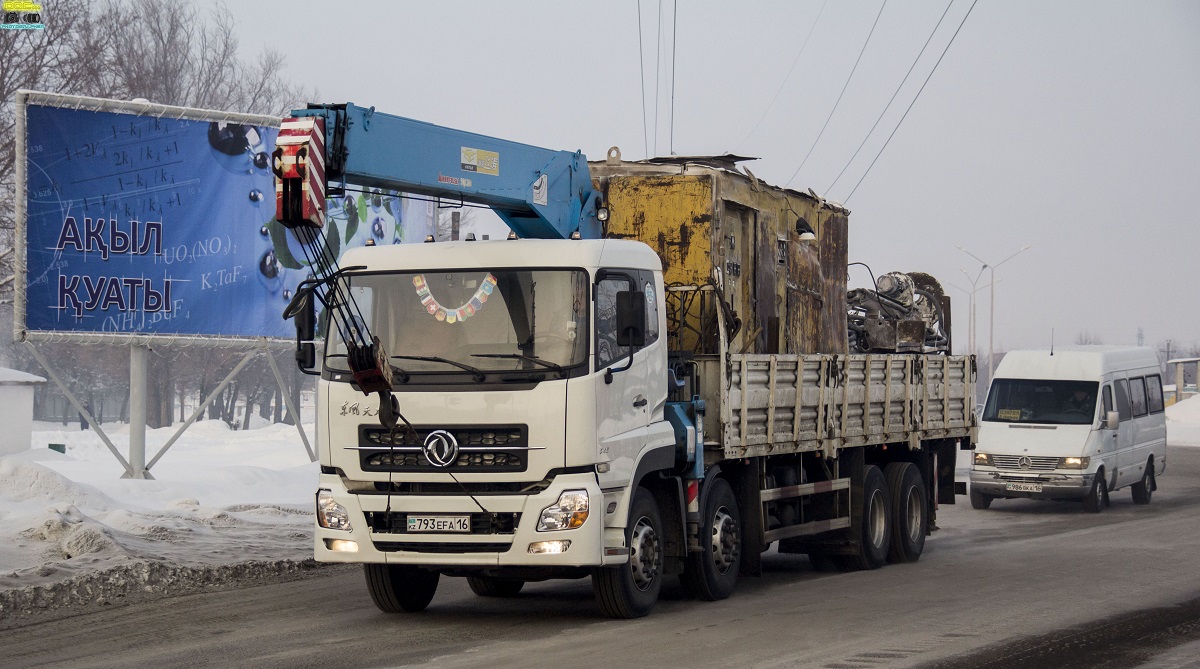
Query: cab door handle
(639, 403)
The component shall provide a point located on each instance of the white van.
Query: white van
(1075, 423)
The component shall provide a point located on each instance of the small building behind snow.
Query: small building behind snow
(16, 409)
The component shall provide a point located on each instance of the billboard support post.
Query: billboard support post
(287, 400)
(80, 408)
(203, 405)
(137, 412)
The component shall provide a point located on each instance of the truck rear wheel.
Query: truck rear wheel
(875, 531)
(910, 512)
(488, 586)
(396, 588)
(712, 573)
(631, 590)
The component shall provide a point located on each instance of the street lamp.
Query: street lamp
(992, 302)
(972, 346)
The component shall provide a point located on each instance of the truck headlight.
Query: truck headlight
(1073, 463)
(983, 459)
(330, 514)
(567, 513)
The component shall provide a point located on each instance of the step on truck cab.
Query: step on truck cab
(1072, 423)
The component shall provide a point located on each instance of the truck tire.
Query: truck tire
(630, 590)
(1144, 488)
(488, 586)
(712, 573)
(875, 532)
(980, 500)
(1095, 500)
(396, 588)
(910, 511)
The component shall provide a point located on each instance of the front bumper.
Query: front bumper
(1054, 485)
(462, 549)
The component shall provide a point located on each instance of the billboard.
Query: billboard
(143, 221)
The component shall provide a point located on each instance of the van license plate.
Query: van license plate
(1022, 487)
(439, 523)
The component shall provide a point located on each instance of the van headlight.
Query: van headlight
(1073, 463)
(567, 513)
(983, 459)
(330, 514)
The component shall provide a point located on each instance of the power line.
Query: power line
(796, 60)
(893, 99)
(642, 71)
(674, 34)
(914, 101)
(839, 98)
(657, 74)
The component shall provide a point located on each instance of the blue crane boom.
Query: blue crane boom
(539, 193)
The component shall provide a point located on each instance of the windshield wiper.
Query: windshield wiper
(475, 371)
(517, 356)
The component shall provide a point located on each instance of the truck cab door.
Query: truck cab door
(623, 401)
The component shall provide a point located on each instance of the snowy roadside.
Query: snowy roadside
(225, 507)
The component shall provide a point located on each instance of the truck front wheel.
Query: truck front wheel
(712, 573)
(396, 588)
(631, 590)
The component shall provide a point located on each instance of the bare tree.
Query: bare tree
(1085, 338)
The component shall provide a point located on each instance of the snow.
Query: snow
(12, 377)
(1183, 423)
(219, 498)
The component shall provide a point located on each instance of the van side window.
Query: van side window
(1137, 388)
(1154, 393)
(1108, 406)
(1124, 410)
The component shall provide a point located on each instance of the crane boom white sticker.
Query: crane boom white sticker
(540, 188)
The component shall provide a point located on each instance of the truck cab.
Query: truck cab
(525, 420)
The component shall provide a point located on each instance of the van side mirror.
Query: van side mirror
(1111, 420)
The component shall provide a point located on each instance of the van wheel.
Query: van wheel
(487, 586)
(399, 587)
(875, 535)
(1097, 496)
(1144, 488)
(631, 590)
(980, 500)
(712, 573)
(910, 512)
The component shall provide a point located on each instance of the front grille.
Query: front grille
(396, 522)
(414, 547)
(481, 448)
(1037, 463)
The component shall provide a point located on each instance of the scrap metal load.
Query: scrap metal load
(906, 313)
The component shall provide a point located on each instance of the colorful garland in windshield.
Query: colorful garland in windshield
(463, 312)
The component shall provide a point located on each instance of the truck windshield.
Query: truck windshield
(490, 320)
(1035, 401)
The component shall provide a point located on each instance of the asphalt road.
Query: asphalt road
(1028, 584)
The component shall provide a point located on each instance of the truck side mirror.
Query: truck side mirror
(631, 326)
(303, 309)
(1111, 420)
(631, 318)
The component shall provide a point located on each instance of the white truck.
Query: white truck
(607, 407)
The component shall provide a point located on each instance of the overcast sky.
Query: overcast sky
(1070, 126)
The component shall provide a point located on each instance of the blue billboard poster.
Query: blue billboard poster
(149, 221)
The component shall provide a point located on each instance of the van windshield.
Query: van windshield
(1036, 401)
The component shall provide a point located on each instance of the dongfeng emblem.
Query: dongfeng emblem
(441, 448)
